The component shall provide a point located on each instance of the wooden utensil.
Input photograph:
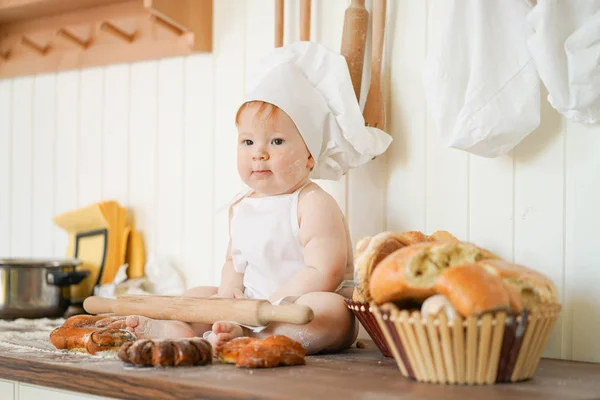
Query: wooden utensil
(305, 20)
(205, 310)
(354, 35)
(279, 23)
(374, 111)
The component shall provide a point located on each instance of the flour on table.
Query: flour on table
(28, 335)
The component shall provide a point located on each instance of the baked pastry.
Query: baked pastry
(474, 290)
(371, 250)
(167, 352)
(437, 304)
(411, 272)
(532, 287)
(230, 351)
(442, 236)
(273, 351)
(79, 333)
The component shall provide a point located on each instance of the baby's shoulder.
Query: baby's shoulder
(314, 198)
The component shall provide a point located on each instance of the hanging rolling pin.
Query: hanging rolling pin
(354, 36)
(305, 20)
(374, 111)
(279, 23)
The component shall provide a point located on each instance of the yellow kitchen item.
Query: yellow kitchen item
(136, 256)
(99, 236)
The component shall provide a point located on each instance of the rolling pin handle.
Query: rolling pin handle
(98, 305)
(293, 314)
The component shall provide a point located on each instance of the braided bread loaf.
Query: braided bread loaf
(273, 351)
(167, 352)
(79, 333)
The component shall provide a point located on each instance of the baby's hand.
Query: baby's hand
(235, 294)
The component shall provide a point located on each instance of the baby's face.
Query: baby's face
(272, 157)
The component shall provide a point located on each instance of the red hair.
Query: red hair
(264, 107)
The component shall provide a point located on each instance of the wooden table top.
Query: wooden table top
(353, 374)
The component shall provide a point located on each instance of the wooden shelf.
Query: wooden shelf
(39, 36)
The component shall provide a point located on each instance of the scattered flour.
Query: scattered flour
(27, 335)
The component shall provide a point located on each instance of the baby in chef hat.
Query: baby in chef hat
(288, 238)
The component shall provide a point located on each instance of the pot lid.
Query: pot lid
(39, 262)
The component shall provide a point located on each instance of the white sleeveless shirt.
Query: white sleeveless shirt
(265, 242)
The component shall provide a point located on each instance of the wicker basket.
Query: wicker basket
(363, 313)
(486, 350)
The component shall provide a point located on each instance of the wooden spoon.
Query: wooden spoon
(354, 36)
(374, 111)
(278, 23)
(305, 20)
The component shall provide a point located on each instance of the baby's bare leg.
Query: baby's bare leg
(144, 327)
(201, 291)
(333, 328)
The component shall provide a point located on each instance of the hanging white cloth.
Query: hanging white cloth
(566, 48)
(481, 85)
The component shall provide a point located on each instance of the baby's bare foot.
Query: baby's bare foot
(147, 328)
(113, 322)
(223, 332)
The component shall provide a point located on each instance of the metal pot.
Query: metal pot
(37, 288)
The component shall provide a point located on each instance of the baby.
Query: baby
(288, 239)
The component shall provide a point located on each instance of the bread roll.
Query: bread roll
(230, 352)
(411, 272)
(273, 351)
(369, 253)
(442, 236)
(79, 333)
(474, 290)
(167, 352)
(532, 287)
(437, 304)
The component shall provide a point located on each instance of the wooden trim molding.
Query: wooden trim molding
(47, 36)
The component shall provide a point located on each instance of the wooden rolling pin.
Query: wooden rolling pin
(205, 310)
(279, 16)
(354, 37)
(374, 111)
(305, 20)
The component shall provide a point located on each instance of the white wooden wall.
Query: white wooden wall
(160, 137)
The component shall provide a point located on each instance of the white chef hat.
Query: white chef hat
(312, 85)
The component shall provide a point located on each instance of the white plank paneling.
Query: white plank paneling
(91, 150)
(142, 150)
(169, 178)
(199, 174)
(116, 131)
(365, 186)
(259, 14)
(291, 18)
(447, 170)
(34, 392)
(405, 197)
(5, 165)
(491, 185)
(21, 190)
(539, 206)
(66, 153)
(330, 14)
(7, 388)
(160, 137)
(582, 300)
(44, 123)
(229, 49)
